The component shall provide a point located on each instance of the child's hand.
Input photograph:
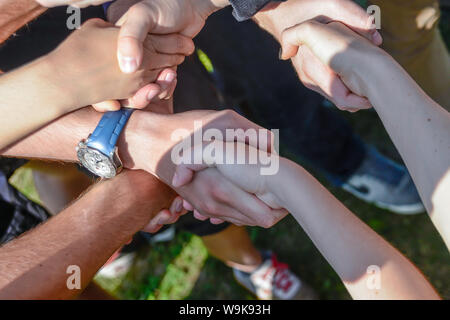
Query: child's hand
(246, 176)
(85, 66)
(338, 48)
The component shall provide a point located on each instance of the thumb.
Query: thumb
(135, 25)
(185, 172)
(356, 18)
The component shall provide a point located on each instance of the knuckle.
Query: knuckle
(269, 221)
(228, 115)
(218, 192)
(179, 42)
(209, 207)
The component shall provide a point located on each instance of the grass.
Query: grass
(181, 268)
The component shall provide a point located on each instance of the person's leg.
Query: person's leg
(411, 35)
(58, 184)
(234, 247)
(257, 270)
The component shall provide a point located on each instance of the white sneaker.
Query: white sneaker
(273, 280)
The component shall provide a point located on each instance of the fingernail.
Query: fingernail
(170, 77)
(280, 53)
(179, 206)
(152, 94)
(128, 64)
(376, 37)
(175, 179)
(176, 206)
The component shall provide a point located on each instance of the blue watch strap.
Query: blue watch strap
(107, 132)
(106, 7)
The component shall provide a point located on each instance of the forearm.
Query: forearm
(420, 129)
(417, 125)
(85, 234)
(348, 244)
(16, 13)
(57, 141)
(29, 99)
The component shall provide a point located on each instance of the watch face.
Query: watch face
(96, 162)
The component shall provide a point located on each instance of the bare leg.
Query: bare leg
(234, 247)
(58, 184)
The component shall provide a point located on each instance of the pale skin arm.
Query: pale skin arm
(348, 244)
(419, 127)
(62, 80)
(85, 234)
(20, 112)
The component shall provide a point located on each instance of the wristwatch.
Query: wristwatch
(98, 153)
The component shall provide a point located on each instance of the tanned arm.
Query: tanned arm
(85, 234)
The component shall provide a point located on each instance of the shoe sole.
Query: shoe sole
(410, 209)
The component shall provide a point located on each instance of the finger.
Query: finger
(199, 216)
(263, 140)
(170, 44)
(133, 32)
(109, 105)
(152, 228)
(177, 205)
(216, 221)
(168, 93)
(232, 215)
(154, 225)
(296, 36)
(167, 81)
(356, 18)
(252, 207)
(143, 97)
(187, 206)
(185, 172)
(159, 61)
(330, 83)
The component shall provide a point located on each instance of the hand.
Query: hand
(86, 60)
(338, 48)
(147, 144)
(246, 176)
(138, 18)
(147, 196)
(166, 216)
(74, 3)
(314, 74)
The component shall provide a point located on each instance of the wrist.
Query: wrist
(55, 91)
(133, 209)
(143, 143)
(373, 72)
(59, 87)
(270, 18)
(276, 183)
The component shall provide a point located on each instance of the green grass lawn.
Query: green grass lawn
(182, 269)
